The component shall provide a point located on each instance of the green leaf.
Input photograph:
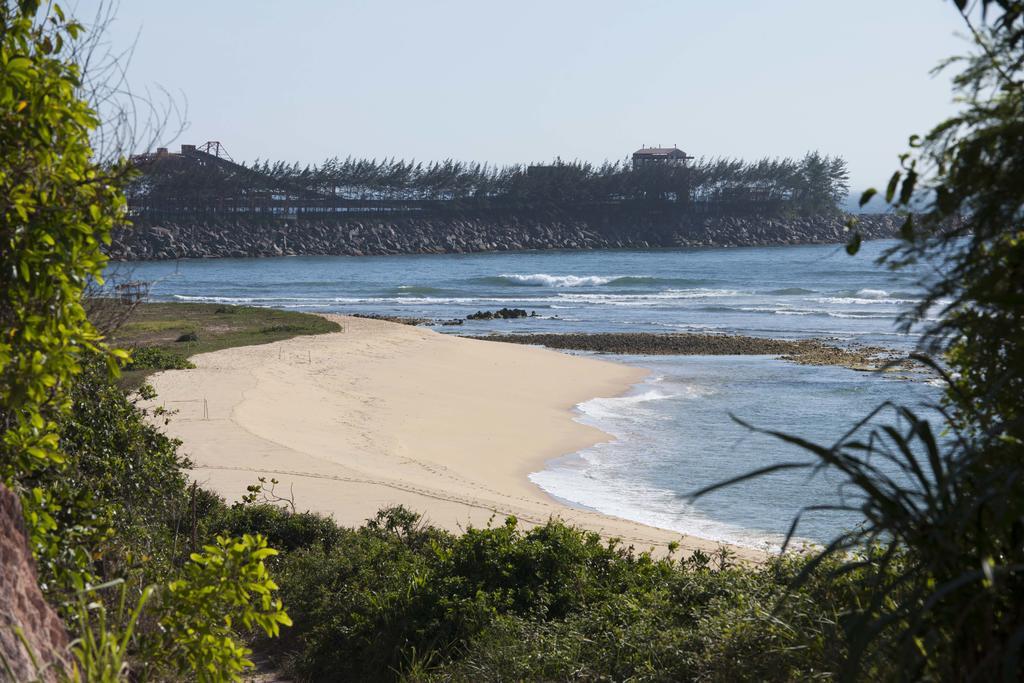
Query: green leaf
(907, 191)
(907, 229)
(18, 66)
(890, 191)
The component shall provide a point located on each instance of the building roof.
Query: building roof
(673, 152)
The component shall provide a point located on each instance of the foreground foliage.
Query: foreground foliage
(158, 598)
(100, 488)
(58, 207)
(396, 599)
(945, 504)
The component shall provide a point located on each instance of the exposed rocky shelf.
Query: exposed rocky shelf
(802, 351)
(248, 237)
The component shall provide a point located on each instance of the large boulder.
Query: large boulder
(22, 605)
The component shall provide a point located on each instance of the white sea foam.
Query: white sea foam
(860, 316)
(767, 309)
(864, 297)
(652, 299)
(855, 315)
(591, 477)
(326, 301)
(595, 478)
(581, 483)
(545, 280)
(675, 326)
(701, 293)
(858, 301)
(618, 407)
(559, 281)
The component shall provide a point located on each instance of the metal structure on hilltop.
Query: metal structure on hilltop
(215, 148)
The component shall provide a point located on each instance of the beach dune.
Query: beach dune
(383, 414)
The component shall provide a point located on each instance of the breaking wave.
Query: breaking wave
(864, 297)
(545, 280)
(560, 281)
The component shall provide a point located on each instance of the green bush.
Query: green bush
(155, 358)
(221, 589)
(122, 489)
(283, 530)
(124, 494)
(395, 599)
(362, 604)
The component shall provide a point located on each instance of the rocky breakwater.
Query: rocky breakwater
(364, 237)
(248, 237)
(730, 231)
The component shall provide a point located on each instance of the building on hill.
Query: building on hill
(668, 156)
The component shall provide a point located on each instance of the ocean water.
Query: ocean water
(674, 433)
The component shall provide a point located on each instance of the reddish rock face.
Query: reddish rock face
(22, 604)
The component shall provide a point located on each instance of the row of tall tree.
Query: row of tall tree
(815, 183)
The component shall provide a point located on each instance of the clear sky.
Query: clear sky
(529, 80)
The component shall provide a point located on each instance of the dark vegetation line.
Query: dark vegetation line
(198, 182)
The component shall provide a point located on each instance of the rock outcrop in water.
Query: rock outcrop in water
(501, 314)
(245, 237)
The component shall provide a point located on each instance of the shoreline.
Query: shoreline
(383, 413)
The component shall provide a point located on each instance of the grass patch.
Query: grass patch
(154, 331)
(138, 327)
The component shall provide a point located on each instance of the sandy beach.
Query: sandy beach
(382, 414)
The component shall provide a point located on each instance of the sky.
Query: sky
(506, 82)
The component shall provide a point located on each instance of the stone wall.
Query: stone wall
(226, 237)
